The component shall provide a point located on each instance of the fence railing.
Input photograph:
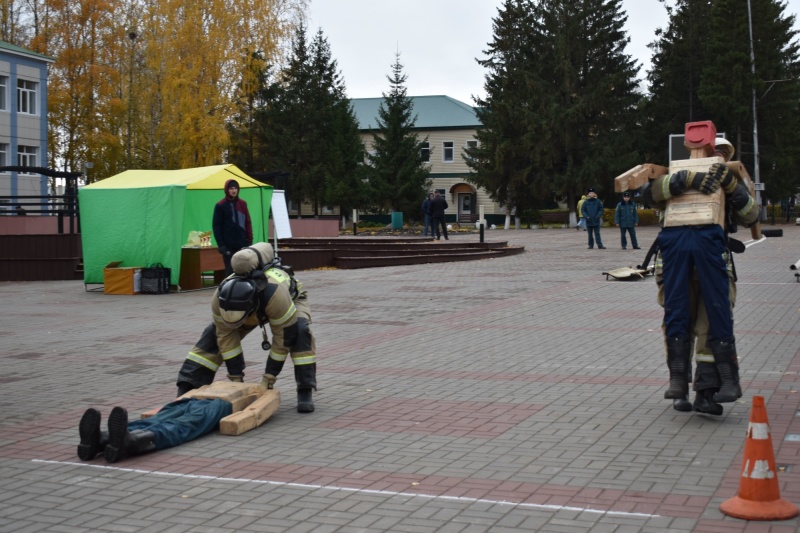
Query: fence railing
(63, 206)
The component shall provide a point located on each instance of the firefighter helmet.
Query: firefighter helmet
(724, 146)
(238, 298)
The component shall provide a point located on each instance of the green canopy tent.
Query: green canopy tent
(141, 217)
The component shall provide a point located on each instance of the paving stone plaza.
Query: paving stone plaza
(522, 393)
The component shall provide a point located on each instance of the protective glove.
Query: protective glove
(268, 381)
(704, 182)
(237, 379)
(725, 176)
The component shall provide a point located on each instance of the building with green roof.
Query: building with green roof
(450, 126)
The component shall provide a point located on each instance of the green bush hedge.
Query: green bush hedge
(647, 217)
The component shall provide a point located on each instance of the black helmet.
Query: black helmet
(237, 299)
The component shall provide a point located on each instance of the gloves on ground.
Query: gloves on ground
(725, 176)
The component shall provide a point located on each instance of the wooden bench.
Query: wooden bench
(554, 217)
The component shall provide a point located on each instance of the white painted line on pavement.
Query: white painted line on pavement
(361, 491)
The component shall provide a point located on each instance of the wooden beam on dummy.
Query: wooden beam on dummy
(700, 145)
(637, 176)
(252, 405)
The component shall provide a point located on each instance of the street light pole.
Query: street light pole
(756, 171)
(132, 35)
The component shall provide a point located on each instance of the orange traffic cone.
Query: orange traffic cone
(759, 496)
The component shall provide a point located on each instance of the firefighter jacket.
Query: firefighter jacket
(275, 306)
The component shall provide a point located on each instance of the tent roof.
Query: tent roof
(213, 177)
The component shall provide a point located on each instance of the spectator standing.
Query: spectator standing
(426, 215)
(627, 218)
(592, 210)
(437, 207)
(231, 223)
(581, 221)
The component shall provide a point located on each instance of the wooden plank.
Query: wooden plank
(693, 208)
(225, 390)
(238, 394)
(252, 416)
(637, 176)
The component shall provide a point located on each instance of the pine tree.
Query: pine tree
(728, 84)
(399, 176)
(310, 130)
(502, 160)
(560, 112)
(702, 70)
(679, 56)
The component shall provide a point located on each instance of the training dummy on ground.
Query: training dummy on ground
(260, 291)
(702, 200)
(234, 408)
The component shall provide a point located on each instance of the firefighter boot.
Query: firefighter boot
(678, 354)
(728, 369)
(123, 443)
(704, 403)
(706, 384)
(683, 404)
(306, 378)
(93, 441)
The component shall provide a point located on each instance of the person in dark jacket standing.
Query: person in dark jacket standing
(627, 218)
(592, 210)
(437, 207)
(426, 215)
(231, 224)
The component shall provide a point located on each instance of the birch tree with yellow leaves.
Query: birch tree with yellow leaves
(148, 83)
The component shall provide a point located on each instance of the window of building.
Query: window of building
(26, 157)
(448, 152)
(327, 210)
(3, 93)
(26, 97)
(472, 144)
(3, 155)
(441, 192)
(425, 151)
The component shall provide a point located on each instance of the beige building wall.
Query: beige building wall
(441, 171)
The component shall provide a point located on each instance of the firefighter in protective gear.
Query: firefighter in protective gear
(691, 257)
(258, 292)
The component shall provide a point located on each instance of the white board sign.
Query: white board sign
(280, 216)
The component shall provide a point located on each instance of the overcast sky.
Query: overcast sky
(438, 41)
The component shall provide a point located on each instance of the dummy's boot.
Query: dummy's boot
(93, 441)
(123, 443)
(704, 403)
(706, 384)
(683, 404)
(728, 368)
(678, 354)
(306, 377)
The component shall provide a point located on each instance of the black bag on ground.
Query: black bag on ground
(155, 279)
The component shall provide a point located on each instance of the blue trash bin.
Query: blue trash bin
(397, 220)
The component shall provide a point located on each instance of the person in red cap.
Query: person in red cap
(232, 227)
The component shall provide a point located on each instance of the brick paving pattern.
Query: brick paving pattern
(516, 394)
